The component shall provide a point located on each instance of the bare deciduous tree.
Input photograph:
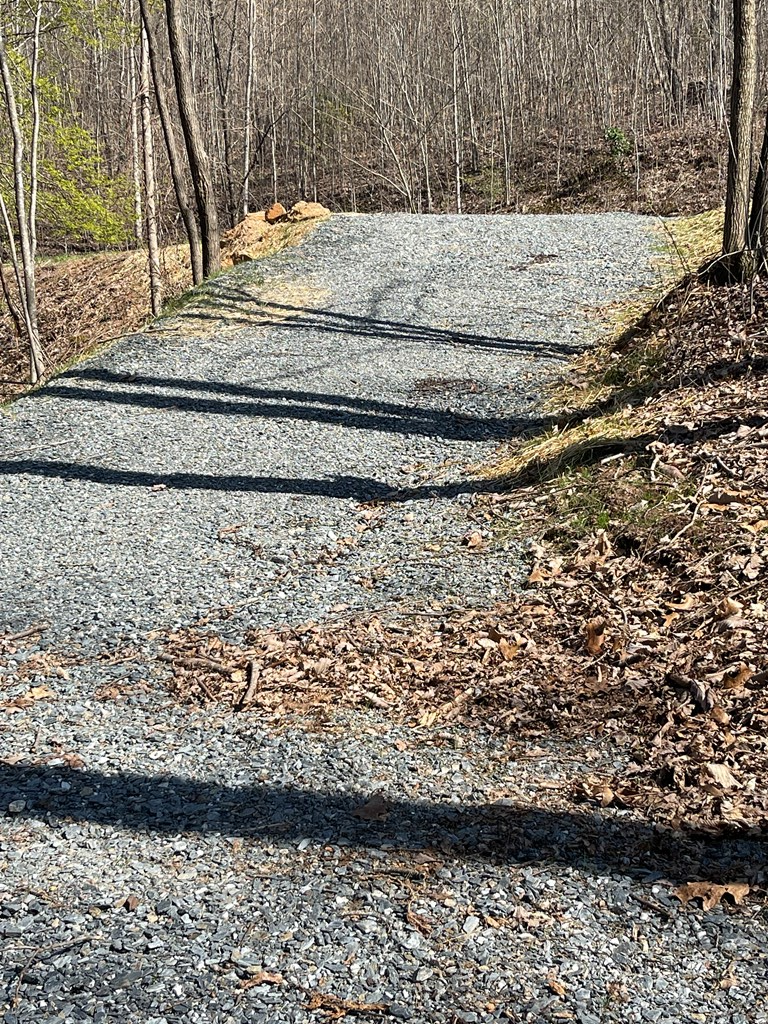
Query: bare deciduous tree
(23, 226)
(197, 153)
(736, 241)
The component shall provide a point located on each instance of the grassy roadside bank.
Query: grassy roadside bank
(646, 512)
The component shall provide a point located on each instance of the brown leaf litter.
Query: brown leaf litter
(644, 618)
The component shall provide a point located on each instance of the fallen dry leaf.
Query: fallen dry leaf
(597, 790)
(729, 607)
(717, 714)
(419, 922)
(42, 692)
(709, 893)
(722, 775)
(555, 985)
(595, 630)
(508, 650)
(688, 603)
(129, 903)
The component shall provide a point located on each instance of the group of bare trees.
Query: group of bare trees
(426, 105)
(193, 111)
(21, 227)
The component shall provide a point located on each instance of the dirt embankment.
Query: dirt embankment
(86, 301)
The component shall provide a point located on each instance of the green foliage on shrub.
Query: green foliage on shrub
(619, 143)
(79, 203)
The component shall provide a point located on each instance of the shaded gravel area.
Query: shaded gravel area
(165, 865)
(191, 852)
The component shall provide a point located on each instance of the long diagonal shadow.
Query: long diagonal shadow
(170, 804)
(397, 420)
(411, 411)
(284, 316)
(358, 488)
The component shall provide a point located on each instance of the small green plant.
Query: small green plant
(619, 143)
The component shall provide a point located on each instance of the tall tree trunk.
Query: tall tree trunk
(34, 147)
(456, 125)
(758, 220)
(250, 29)
(223, 112)
(199, 164)
(736, 257)
(155, 280)
(174, 156)
(138, 217)
(25, 274)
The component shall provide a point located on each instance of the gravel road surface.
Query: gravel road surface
(221, 459)
(165, 865)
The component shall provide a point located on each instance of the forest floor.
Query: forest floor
(347, 674)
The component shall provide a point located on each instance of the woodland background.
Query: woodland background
(473, 105)
(132, 126)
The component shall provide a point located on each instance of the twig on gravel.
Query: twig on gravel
(30, 631)
(39, 448)
(40, 954)
(198, 662)
(252, 683)
(36, 740)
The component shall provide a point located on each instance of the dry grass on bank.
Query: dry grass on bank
(88, 301)
(84, 302)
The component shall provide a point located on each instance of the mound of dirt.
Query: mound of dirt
(267, 231)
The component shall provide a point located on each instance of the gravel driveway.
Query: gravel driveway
(219, 459)
(295, 444)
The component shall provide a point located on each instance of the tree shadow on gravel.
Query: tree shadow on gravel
(242, 400)
(169, 804)
(236, 306)
(364, 489)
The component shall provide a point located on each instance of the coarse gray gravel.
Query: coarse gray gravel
(154, 860)
(410, 346)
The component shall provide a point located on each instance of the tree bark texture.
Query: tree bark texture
(199, 163)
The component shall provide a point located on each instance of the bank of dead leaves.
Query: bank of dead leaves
(650, 632)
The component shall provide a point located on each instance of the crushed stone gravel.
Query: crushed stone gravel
(222, 459)
(164, 865)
